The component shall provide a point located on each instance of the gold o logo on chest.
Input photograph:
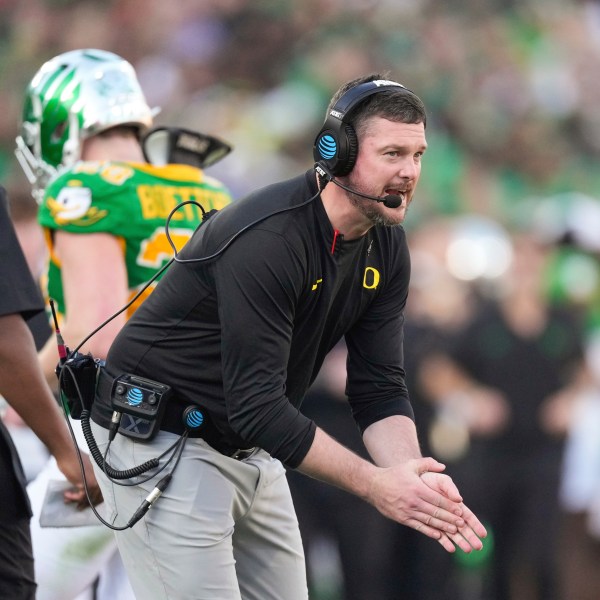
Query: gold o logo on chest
(371, 278)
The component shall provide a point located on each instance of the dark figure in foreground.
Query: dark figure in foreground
(24, 387)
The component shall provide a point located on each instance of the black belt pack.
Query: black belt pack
(147, 406)
(142, 404)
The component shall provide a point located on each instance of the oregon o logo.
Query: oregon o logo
(371, 278)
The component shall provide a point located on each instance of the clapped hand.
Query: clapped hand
(416, 493)
(468, 536)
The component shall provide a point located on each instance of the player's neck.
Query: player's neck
(117, 148)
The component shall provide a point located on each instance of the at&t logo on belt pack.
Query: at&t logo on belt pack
(142, 404)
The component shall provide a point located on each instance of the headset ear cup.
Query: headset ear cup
(344, 166)
(326, 148)
(337, 150)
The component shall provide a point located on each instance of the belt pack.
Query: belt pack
(148, 406)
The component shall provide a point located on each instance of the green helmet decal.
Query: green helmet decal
(71, 98)
(48, 104)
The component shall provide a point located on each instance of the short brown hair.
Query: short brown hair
(403, 105)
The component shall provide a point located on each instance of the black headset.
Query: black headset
(336, 145)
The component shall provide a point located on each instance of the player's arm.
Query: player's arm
(23, 386)
(94, 279)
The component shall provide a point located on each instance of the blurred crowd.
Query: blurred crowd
(511, 87)
(507, 215)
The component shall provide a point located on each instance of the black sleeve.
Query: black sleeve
(257, 300)
(376, 386)
(18, 291)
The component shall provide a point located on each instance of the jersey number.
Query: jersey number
(156, 249)
(153, 252)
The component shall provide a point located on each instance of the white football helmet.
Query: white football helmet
(71, 98)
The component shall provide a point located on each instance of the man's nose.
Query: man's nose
(409, 168)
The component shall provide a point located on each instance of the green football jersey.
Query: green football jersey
(131, 201)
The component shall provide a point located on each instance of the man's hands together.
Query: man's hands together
(416, 493)
(411, 491)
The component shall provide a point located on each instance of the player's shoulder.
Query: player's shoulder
(85, 192)
(208, 191)
(184, 174)
(93, 174)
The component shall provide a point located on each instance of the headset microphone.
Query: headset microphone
(390, 200)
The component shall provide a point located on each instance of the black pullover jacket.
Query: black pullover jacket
(244, 334)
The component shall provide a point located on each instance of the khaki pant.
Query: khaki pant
(224, 529)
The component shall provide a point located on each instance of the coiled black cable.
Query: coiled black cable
(97, 455)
